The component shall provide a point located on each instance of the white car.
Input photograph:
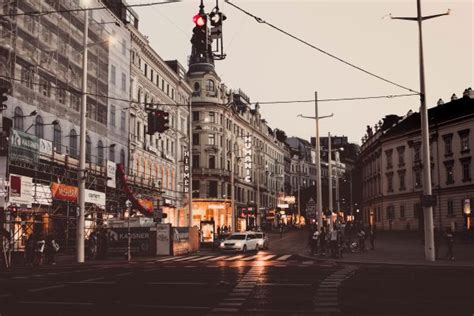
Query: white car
(240, 242)
(262, 240)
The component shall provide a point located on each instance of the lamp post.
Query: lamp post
(128, 204)
(53, 123)
(319, 194)
(425, 137)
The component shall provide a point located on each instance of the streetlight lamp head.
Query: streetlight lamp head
(34, 112)
(112, 146)
(55, 122)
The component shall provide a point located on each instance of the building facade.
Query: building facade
(392, 168)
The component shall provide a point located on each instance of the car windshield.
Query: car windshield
(237, 237)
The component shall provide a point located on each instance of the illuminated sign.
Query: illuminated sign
(248, 158)
(186, 172)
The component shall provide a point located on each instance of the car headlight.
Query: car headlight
(221, 245)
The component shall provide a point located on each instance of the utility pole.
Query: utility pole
(427, 200)
(338, 202)
(82, 150)
(232, 189)
(330, 182)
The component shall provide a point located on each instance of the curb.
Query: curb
(435, 264)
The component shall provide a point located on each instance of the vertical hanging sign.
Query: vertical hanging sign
(248, 158)
(186, 172)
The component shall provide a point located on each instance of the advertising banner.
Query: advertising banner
(111, 174)
(64, 192)
(21, 190)
(163, 239)
(42, 194)
(24, 147)
(45, 147)
(186, 173)
(143, 241)
(95, 197)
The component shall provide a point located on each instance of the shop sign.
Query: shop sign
(311, 207)
(216, 206)
(111, 174)
(248, 158)
(283, 206)
(95, 197)
(45, 147)
(21, 190)
(42, 194)
(64, 192)
(146, 204)
(467, 206)
(187, 172)
(24, 147)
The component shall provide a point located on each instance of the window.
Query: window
(450, 208)
(195, 161)
(123, 121)
(212, 117)
(401, 175)
(61, 95)
(122, 157)
(112, 115)
(124, 82)
(100, 152)
(466, 168)
(112, 153)
(18, 119)
(27, 77)
(448, 143)
(212, 162)
(196, 139)
(401, 156)
(449, 165)
(388, 155)
(88, 149)
(73, 144)
(45, 87)
(390, 182)
(417, 152)
(212, 139)
(464, 135)
(124, 47)
(418, 182)
(402, 211)
(74, 101)
(112, 74)
(196, 188)
(210, 85)
(213, 189)
(146, 70)
(195, 116)
(39, 128)
(57, 138)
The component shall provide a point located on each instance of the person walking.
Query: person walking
(30, 250)
(322, 240)
(372, 233)
(281, 230)
(314, 243)
(449, 236)
(50, 249)
(437, 241)
(333, 243)
(362, 237)
(39, 250)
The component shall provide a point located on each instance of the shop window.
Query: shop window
(73, 144)
(57, 138)
(212, 162)
(196, 188)
(88, 149)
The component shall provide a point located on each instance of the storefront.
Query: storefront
(219, 211)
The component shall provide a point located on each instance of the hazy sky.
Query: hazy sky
(269, 66)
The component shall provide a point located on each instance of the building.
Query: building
(232, 144)
(41, 65)
(156, 161)
(391, 160)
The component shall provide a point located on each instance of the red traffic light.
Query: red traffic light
(199, 20)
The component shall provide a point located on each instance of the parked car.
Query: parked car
(220, 238)
(240, 242)
(262, 240)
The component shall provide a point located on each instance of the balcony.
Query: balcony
(211, 172)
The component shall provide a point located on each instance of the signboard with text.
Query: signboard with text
(186, 172)
(21, 190)
(111, 174)
(24, 147)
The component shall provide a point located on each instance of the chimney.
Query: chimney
(468, 93)
(440, 101)
(454, 97)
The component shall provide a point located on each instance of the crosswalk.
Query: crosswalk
(215, 258)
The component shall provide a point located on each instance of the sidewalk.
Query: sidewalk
(404, 248)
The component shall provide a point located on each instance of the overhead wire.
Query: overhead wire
(260, 20)
(76, 91)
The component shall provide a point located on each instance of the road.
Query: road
(267, 283)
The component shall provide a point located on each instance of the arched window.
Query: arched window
(18, 119)
(210, 85)
(57, 138)
(73, 143)
(39, 128)
(88, 148)
(122, 157)
(100, 152)
(112, 153)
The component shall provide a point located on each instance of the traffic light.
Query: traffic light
(199, 39)
(151, 130)
(3, 98)
(216, 17)
(162, 121)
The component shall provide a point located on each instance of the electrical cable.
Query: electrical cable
(39, 13)
(75, 91)
(260, 20)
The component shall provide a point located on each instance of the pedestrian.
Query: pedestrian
(39, 251)
(5, 240)
(437, 241)
(30, 250)
(449, 236)
(333, 243)
(281, 231)
(322, 240)
(314, 243)
(361, 235)
(372, 237)
(50, 249)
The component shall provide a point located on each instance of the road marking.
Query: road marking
(234, 258)
(249, 258)
(185, 258)
(91, 280)
(308, 262)
(283, 258)
(56, 303)
(285, 284)
(201, 258)
(124, 274)
(47, 288)
(165, 259)
(266, 258)
(177, 283)
(169, 307)
(218, 258)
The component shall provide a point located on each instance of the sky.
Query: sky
(270, 66)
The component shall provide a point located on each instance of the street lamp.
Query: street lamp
(128, 204)
(54, 123)
(319, 195)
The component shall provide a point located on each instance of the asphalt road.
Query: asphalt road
(270, 283)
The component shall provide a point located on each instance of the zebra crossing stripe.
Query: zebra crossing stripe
(234, 258)
(250, 258)
(266, 258)
(201, 258)
(218, 258)
(283, 258)
(185, 258)
(166, 259)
